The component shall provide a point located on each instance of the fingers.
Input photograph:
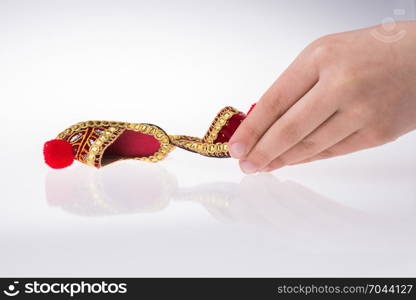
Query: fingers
(299, 121)
(355, 142)
(332, 131)
(294, 82)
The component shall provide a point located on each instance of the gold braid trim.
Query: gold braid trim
(220, 120)
(199, 146)
(206, 145)
(91, 152)
(114, 130)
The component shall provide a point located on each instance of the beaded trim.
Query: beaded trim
(220, 120)
(92, 151)
(82, 140)
(206, 145)
(97, 149)
(112, 131)
(199, 146)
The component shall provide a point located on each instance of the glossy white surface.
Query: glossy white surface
(175, 66)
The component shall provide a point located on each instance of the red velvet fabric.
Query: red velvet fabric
(251, 108)
(133, 144)
(229, 128)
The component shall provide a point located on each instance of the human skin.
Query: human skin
(343, 93)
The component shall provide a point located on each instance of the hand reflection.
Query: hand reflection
(284, 206)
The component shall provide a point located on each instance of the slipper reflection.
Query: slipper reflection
(261, 199)
(121, 189)
(283, 206)
(263, 207)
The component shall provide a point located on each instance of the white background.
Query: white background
(175, 64)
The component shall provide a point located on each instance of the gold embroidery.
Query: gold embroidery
(220, 120)
(90, 139)
(206, 145)
(94, 153)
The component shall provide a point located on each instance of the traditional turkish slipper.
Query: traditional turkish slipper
(99, 143)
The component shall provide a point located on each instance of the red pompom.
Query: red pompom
(58, 154)
(251, 108)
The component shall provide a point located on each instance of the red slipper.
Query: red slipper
(99, 143)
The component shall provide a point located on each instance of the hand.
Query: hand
(343, 93)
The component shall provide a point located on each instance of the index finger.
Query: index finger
(289, 87)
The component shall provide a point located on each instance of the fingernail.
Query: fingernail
(247, 167)
(266, 170)
(237, 150)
